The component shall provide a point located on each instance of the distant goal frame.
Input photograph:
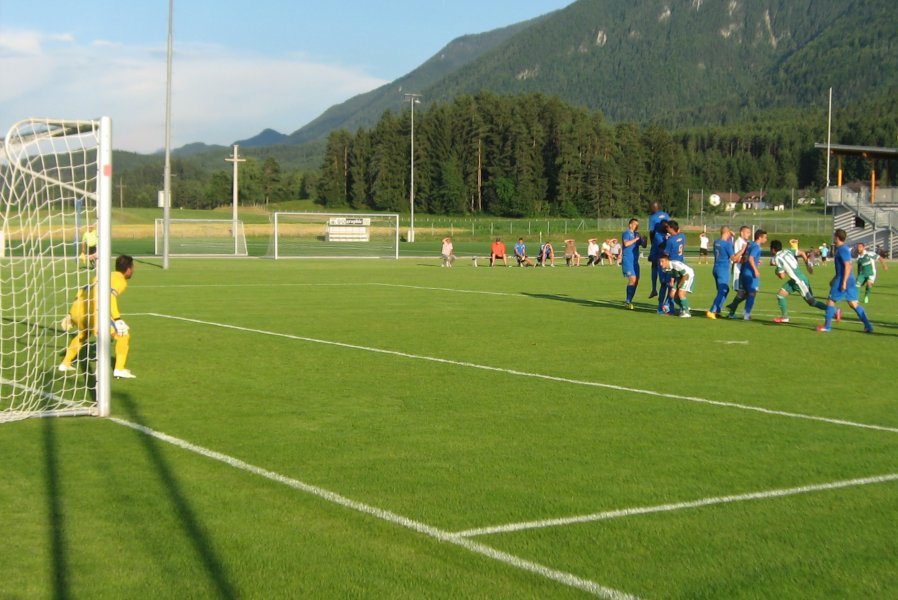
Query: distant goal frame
(278, 216)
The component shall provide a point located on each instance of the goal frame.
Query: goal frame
(41, 137)
(277, 255)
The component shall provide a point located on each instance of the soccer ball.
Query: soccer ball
(714, 200)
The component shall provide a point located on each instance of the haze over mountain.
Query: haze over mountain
(673, 62)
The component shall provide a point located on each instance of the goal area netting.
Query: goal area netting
(55, 185)
(334, 235)
(201, 237)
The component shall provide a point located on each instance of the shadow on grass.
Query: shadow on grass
(190, 522)
(58, 552)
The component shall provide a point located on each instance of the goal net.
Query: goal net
(334, 235)
(201, 237)
(55, 183)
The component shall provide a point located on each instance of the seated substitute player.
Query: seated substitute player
(749, 277)
(520, 254)
(866, 269)
(843, 286)
(83, 314)
(680, 278)
(571, 256)
(546, 253)
(497, 252)
(629, 264)
(592, 252)
(446, 255)
(789, 270)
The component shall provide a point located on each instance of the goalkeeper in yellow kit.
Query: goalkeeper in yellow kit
(83, 315)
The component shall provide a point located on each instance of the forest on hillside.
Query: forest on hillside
(534, 155)
(528, 155)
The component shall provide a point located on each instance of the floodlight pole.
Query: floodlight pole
(166, 177)
(412, 100)
(235, 158)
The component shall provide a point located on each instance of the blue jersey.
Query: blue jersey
(753, 251)
(842, 258)
(657, 237)
(520, 249)
(629, 254)
(676, 246)
(723, 254)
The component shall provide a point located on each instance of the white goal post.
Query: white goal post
(335, 235)
(55, 181)
(201, 237)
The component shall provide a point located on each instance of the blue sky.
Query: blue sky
(239, 66)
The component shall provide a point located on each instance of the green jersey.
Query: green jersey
(866, 263)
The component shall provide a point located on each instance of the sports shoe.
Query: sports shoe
(66, 323)
(823, 329)
(653, 294)
(868, 329)
(866, 299)
(838, 314)
(746, 317)
(781, 320)
(685, 315)
(630, 306)
(710, 315)
(64, 368)
(123, 374)
(731, 315)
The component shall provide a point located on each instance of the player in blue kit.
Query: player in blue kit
(723, 261)
(656, 216)
(675, 248)
(632, 241)
(843, 286)
(749, 277)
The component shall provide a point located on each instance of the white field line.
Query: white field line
(390, 517)
(540, 376)
(644, 510)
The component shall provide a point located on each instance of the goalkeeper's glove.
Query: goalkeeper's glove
(121, 328)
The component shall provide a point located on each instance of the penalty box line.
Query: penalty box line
(644, 510)
(517, 562)
(541, 376)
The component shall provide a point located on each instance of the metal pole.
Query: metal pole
(412, 100)
(234, 193)
(166, 185)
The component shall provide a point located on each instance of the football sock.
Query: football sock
(862, 315)
(830, 314)
(749, 303)
(631, 291)
(684, 303)
(781, 300)
(819, 304)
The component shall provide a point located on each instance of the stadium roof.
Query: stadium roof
(865, 151)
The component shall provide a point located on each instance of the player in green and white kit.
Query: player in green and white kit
(681, 278)
(866, 269)
(789, 270)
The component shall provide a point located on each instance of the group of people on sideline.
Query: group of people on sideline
(736, 266)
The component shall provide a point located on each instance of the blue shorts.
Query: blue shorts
(630, 270)
(748, 282)
(849, 295)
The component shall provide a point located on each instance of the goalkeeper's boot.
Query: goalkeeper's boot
(64, 368)
(123, 374)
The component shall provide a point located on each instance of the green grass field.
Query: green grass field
(392, 429)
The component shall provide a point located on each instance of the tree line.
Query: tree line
(533, 155)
